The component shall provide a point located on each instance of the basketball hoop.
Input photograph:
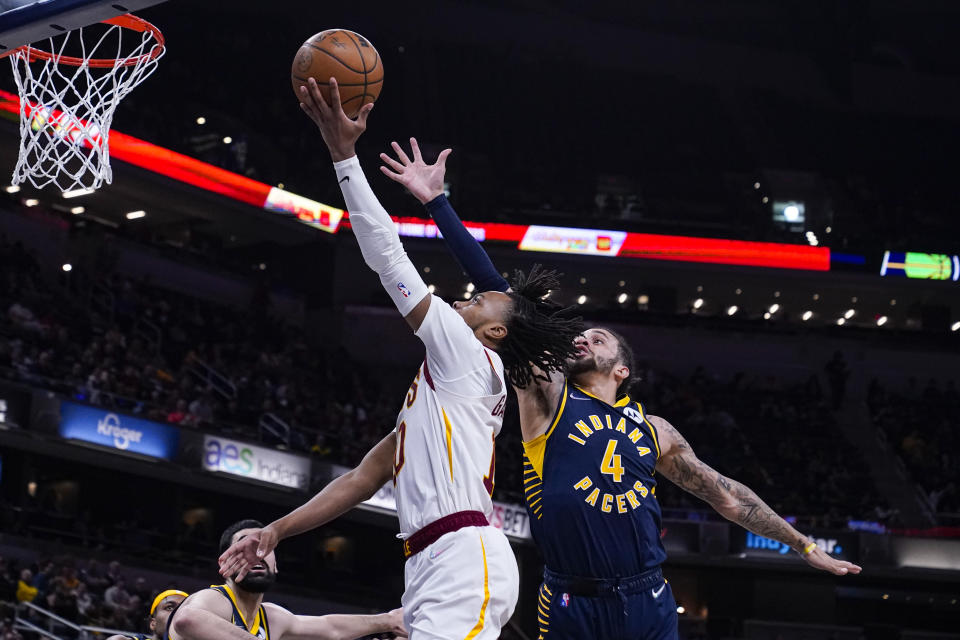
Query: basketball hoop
(67, 102)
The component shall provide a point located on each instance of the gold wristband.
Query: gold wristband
(809, 548)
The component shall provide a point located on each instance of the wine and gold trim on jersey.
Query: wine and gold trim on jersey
(477, 628)
(544, 600)
(448, 432)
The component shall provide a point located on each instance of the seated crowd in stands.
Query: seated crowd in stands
(84, 593)
(779, 438)
(921, 425)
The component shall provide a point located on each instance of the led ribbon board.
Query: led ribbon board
(924, 266)
(592, 242)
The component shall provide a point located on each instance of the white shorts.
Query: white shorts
(463, 586)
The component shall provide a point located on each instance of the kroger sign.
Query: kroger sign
(117, 431)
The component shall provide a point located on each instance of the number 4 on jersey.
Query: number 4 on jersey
(611, 462)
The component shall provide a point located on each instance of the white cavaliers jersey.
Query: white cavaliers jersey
(444, 460)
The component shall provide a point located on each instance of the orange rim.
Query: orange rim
(126, 21)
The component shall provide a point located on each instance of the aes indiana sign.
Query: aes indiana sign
(256, 463)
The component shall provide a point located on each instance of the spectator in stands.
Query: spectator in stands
(94, 577)
(837, 374)
(118, 599)
(26, 592)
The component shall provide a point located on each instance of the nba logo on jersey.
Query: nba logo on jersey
(403, 289)
(565, 600)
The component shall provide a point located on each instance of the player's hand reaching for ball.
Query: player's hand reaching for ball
(338, 131)
(818, 559)
(424, 181)
(247, 552)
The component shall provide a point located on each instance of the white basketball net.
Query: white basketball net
(66, 109)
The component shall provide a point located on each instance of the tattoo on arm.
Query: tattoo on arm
(733, 500)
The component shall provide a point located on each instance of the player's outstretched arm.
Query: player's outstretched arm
(733, 500)
(425, 182)
(205, 615)
(287, 626)
(379, 243)
(335, 499)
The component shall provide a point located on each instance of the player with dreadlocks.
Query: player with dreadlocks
(590, 454)
(461, 576)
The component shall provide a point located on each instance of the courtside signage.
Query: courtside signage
(760, 546)
(117, 431)
(255, 463)
(510, 518)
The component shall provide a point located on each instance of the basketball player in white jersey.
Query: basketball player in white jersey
(461, 578)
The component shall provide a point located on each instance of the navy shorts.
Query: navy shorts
(638, 607)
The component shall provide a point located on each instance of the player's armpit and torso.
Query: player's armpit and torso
(590, 488)
(445, 431)
(259, 627)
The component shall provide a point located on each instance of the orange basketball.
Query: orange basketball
(346, 56)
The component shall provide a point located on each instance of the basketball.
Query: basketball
(346, 56)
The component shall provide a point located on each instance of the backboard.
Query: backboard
(27, 21)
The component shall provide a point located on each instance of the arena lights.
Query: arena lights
(766, 315)
(698, 303)
(738, 291)
(680, 609)
(201, 120)
(732, 309)
(955, 326)
(849, 313)
(841, 321)
(227, 140)
(774, 308)
(467, 295)
(882, 320)
(582, 299)
(776, 294)
(432, 288)
(643, 299)
(12, 188)
(31, 202)
(622, 283)
(77, 210)
(622, 298)
(893, 302)
(806, 315)
(470, 287)
(136, 215)
(67, 267)
(76, 193)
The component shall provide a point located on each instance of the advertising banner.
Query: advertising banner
(117, 431)
(838, 544)
(256, 463)
(510, 518)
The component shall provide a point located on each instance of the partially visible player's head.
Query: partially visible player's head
(263, 574)
(532, 334)
(602, 351)
(163, 605)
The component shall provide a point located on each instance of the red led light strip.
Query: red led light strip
(574, 241)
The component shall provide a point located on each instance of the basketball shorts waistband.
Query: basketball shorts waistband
(447, 524)
(599, 587)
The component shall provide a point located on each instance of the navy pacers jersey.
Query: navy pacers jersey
(589, 486)
(259, 628)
